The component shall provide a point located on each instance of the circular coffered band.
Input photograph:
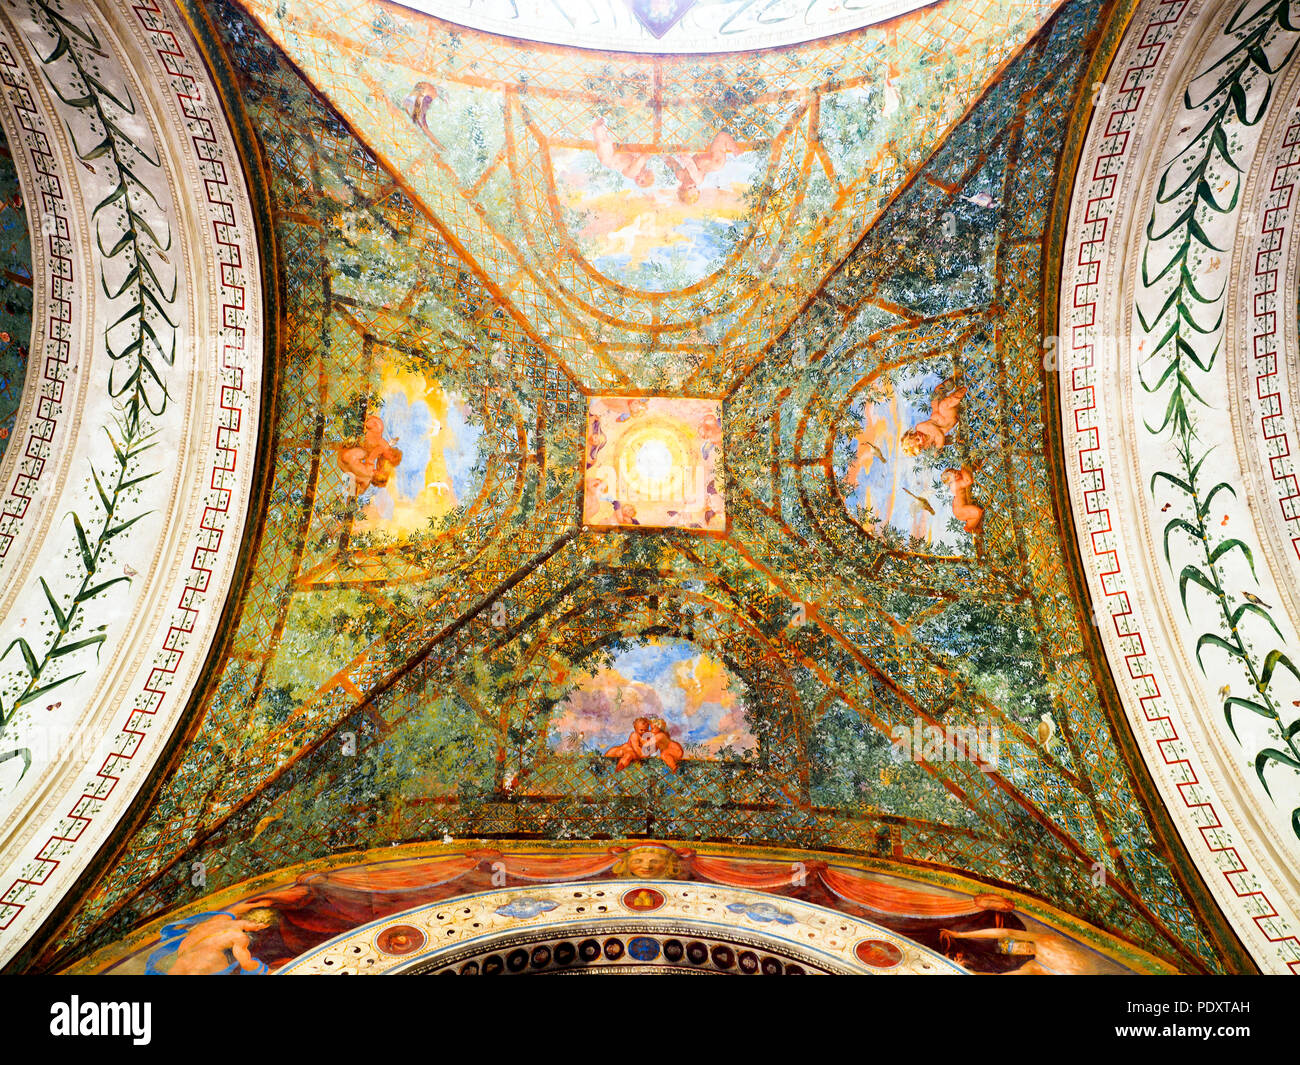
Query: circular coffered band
(1162, 466)
(622, 926)
(125, 490)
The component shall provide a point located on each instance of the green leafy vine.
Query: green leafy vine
(139, 342)
(1264, 40)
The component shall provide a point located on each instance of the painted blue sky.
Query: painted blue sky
(891, 485)
(652, 680)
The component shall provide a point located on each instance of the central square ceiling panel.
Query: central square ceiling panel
(653, 461)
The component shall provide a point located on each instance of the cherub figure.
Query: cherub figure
(203, 950)
(597, 439)
(668, 749)
(631, 751)
(649, 746)
(945, 406)
(968, 513)
(630, 164)
(710, 431)
(373, 462)
(690, 168)
(218, 942)
(352, 460)
(626, 406)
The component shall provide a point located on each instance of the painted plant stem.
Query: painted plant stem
(134, 341)
(1210, 578)
(1177, 350)
(66, 616)
(147, 313)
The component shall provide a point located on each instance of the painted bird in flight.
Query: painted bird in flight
(925, 503)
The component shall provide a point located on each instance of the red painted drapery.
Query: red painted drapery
(901, 901)
(550, 867)
(761, 876)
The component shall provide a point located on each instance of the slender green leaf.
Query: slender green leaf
(87, 555)
(32, 696)
(1234, 619)
(121, 528)
(1195, 532)
(1272, 754)
(1271, 661)
(59, 616)
(33, 667)
(1229, 545)
(1191, 573)
(68, 649)
(26, 755)
(1217, 641)
(90, 593)
(1246, 704)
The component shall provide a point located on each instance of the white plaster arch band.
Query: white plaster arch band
(1171, 302)
(124, 495)
(1261, 324)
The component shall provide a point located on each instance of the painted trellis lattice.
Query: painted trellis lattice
(843, 617)
(657, 439)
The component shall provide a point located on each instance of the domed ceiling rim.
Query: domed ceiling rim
(702, 28)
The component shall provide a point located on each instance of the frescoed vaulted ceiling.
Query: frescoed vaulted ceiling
(654, 448)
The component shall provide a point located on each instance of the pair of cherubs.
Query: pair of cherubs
(945, 407)
(649, 737)
(690, 168)
(373, 461)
